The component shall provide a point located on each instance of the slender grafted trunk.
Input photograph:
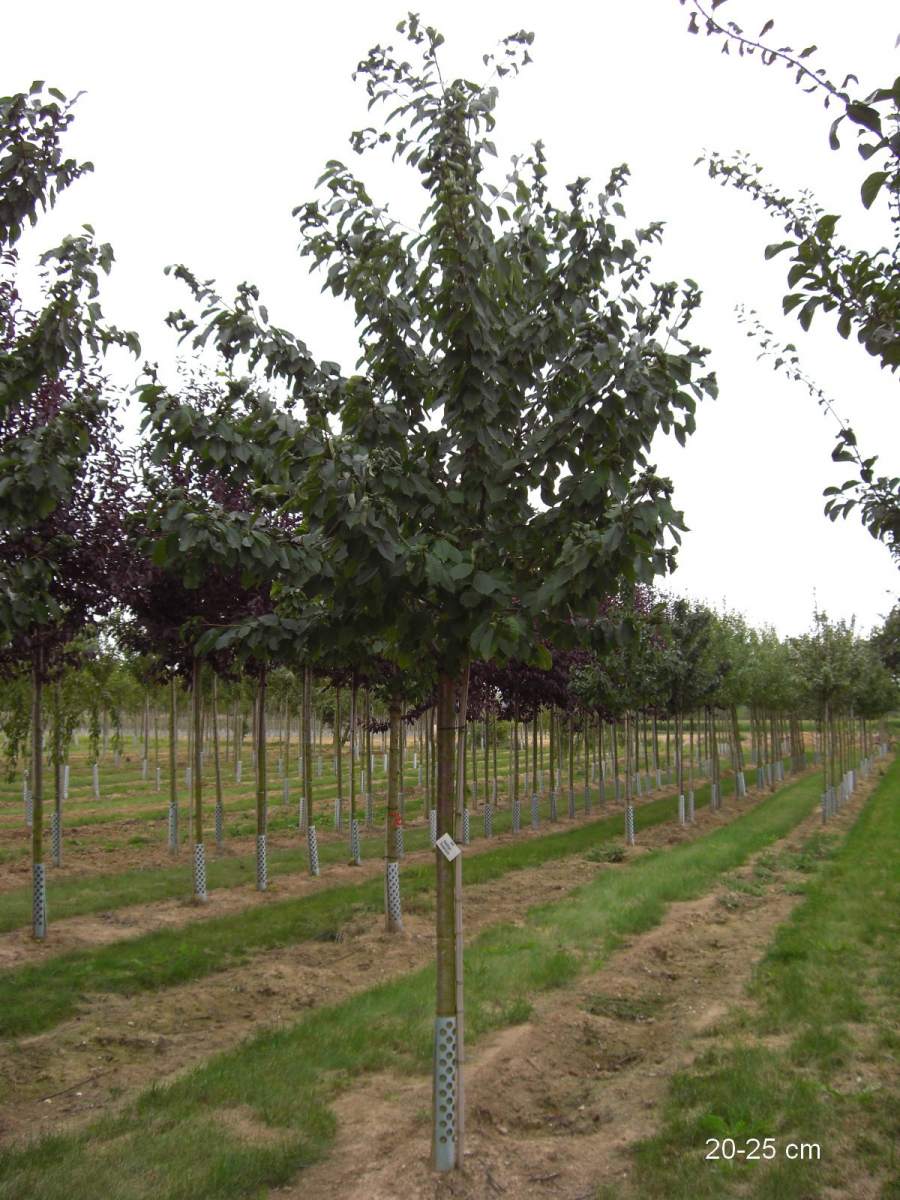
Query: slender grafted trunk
(514, 751)
(39, 886)
(600, 771)
(487, 756)
(200, 895)
(368, 754)
(393, 829)
(585, 716)
(632, 747)
(309, 816)
(426, 774)
(217, 764)
(571, 725)
(57, 776)
(475, 767)
(494, 748)
(552, 749)
(615, 759)
(461, 818)
(740, 786)
(354, 827)
(447, 1148)
(668, 742)
(535, 738)
(173, 767)
(145, 766)
(339, 803)
(262, 815)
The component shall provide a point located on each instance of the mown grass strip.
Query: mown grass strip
(830, 981)
(37, 997)
(168, 1144)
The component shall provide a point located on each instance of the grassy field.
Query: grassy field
(811, 1059)
(165, 1143)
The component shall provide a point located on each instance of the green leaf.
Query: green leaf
(863, 114)
(484, 583)
(777, 247)
(872, 186)
(543, 658)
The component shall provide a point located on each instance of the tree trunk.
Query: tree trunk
(393, 914)
(57, 776)
(217, 764)
(39, 886)
(262, 816)
(200, 895)
(338, 764)
(173, 767)
(447, 1148)
(354, 828)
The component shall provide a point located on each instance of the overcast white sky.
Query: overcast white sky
(207, 122)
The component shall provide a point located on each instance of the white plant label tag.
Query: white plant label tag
(447, 847)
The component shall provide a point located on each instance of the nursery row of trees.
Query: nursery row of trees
(676, 682)
(465, 523)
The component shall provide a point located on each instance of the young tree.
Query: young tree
(491, 332)
(62, 486)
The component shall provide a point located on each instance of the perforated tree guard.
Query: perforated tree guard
(285, 791)
(432, 826)
(262, 864)
(392, 895)
(220, 826)
(56, 839)
(173, 826)
(96, 781)
(488, 820)
(65, 781)
(629, 824)
(338, 814)
(158, 779)
(370, 810)
(39, 902)
(312, 847)
(354, 843)
(199, 871)
(466, 827)
(536, 810)
(713, 796)
(587, 799)
(681, 809)
(571, 805)
(445, 1093)
(144, 768)
(516, 815)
